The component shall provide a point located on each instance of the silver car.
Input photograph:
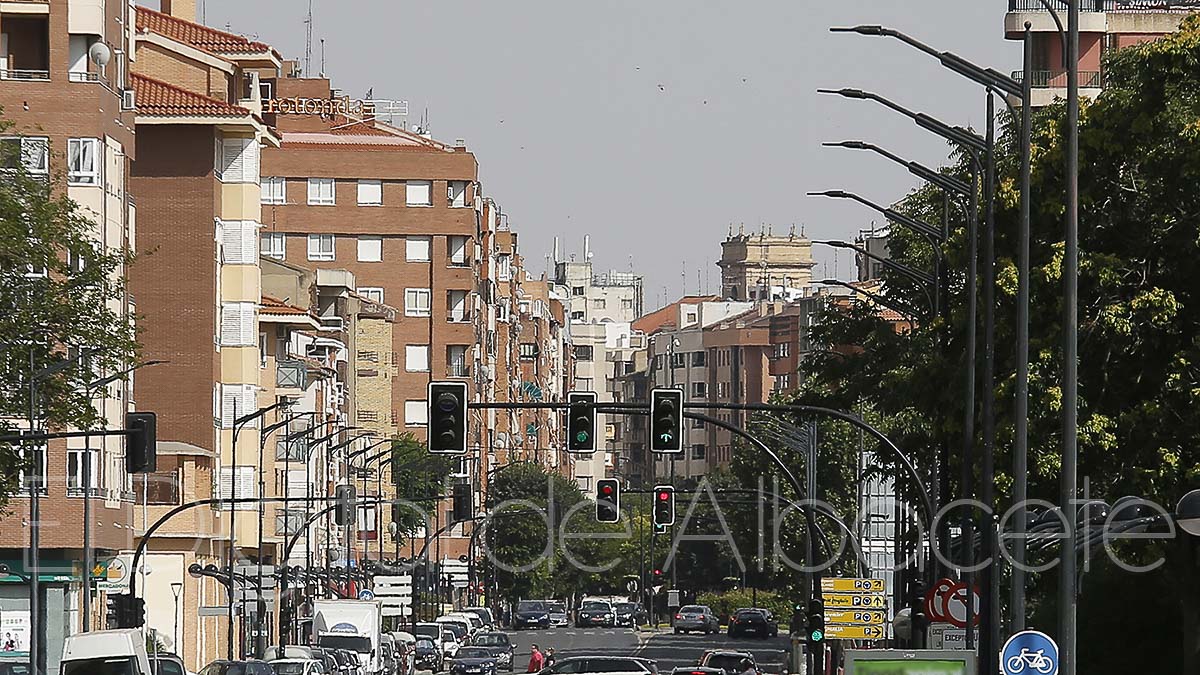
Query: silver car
(696, 618)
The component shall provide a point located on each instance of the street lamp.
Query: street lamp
(875, 297)
(914, 274)
(944, 181)
(176, 589)
(1187, 513)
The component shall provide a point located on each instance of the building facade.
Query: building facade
(765, 266)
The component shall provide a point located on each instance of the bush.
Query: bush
(725, 603)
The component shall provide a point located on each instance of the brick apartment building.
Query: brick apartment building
(63, 87)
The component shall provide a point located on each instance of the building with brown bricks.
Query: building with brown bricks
(765, 266)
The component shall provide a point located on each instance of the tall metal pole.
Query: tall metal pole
(87, 535)
(35, 514)
(990, 605)
(968, 455)
(232, 520)
(1021, 404)
(1066, 585)
(259, 625)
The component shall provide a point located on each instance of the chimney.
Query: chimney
(180, 9)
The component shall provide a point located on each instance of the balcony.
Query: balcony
(1057, 79)
(27, 37)
(291, 375)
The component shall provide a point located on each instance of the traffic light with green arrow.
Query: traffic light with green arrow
(581, 421)
(666, 421)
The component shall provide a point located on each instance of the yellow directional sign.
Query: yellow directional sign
(854, 601)
(839, 632)
(862, 617)
(852, 585)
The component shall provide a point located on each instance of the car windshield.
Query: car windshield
(473, 653)
(483, 613)
(492, 640)
(430, 630)
(288, 668)
(692, 609)
(459, 631)
(557, 607)
(424, 643)
(749, 614)
(627, 607)
(595, 605)
(531, 606)
(353, 643)
(726, 662)
(118, 665)
(165, 667)
(615, 666)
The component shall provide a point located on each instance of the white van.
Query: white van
(112, 652)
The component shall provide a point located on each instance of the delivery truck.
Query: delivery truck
(351, 624)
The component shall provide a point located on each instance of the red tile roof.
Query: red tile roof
(661, 318)
(198, 35)
(159, 99)
(271, 305)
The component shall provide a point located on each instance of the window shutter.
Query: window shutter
(231, 160)
(246, 487)
(297, 485)
(248, 334)
(238, 327)
(249, 402)
(250, 161)
(239, 241)
(230, 399)
(250, 242)
(221, 485)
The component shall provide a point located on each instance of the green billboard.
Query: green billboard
(909, 662)
(910, 668)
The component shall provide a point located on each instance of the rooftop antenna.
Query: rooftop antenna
(631, 263)
(322, 73)
(308, 28)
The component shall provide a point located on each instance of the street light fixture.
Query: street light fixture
(933, 234)
(914, 274)
(944, 181)
(955, 134)
(882, 300)
(1187, 513)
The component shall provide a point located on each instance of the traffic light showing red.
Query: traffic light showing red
(664, 505)
(608, 500)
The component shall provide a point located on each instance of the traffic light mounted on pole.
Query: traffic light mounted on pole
(462, 509)
(448, 418)
(141, 454)
(664, 505)
(581, 421)
(608, 500)
(666, 421)
(344, 511)
(816, 622)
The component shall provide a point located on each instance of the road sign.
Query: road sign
(946, 636)
(864, 617)
(631, 585)
(852, 585)
(835, 631)
(946, 602)
(854, 600)
(394, 594)
(116, 575)
(366, 594)
(1029, 652)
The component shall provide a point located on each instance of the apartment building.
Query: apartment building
(765, 266)
(1104, 26)
(64, 89)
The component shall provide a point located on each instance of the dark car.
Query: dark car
(326, 657)
(752, 622)
(237, 668)
(697, 670)
(164, 663)
(500, 647)
(427, 654)
(602, 664)
(595, 613)
(629, 614)
(531, 614)
(347, 660)
(471, 660)
(733, 663)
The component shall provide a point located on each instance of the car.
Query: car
(601, 664)
(473, 621)
(297, 667)
(327, 659)
(531, 614)
(628, 614)
(223, 667)
(499, 645)
(751, 622)
(451, 643)
(427, 655)
(473, 661)
(697, 670)
(696, 618)
(732, 662)
(558, 613)
(166, 663)
(595, 613)
(275, 652)
(347, 661)
(461, 625)
(484, 614)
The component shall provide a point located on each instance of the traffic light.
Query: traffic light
(608, 500)
(344, 496)
(664, 505)
(463, 509)
(666, 421)
(448, 418)
(581, 421)
(816, 622)
(141, 454)
(130, 611)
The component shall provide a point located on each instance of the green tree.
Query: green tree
(61, 291)
(417, 475)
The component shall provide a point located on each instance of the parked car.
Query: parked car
(473, 661)
(595, 613)
(166, 663)
(297, 667)
(500, 647)
(629, 614)
(558, 613)
(752, 622)
(121, 651)
(732, 662)
(531, 614)
(427, 655)
(601, 664)
(696, 618)
(223, 667)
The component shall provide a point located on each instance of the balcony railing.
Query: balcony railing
(1057, 79)
(459, 317)
(291, 375)
(457, 370)
(1105, 6)
(42, 75)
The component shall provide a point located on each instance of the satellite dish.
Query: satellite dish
(100, 54)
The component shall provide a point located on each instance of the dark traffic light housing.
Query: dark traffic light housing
(581, 421)
(141, 451)
(129, 611)
(608, 500)
(666, 421)
(664, 505)
(816, 622)
(462, 508)
(345, 497)
(448, 418)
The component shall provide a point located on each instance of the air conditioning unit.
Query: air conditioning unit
(127, 99)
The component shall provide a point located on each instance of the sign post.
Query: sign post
(1029, 652)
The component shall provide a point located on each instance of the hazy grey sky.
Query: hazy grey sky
(655, 124)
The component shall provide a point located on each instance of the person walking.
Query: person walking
(536, 660)
(550, 657)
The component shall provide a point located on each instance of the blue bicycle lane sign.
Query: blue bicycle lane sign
(1029, 653)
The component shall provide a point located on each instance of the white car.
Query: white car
(297, 667)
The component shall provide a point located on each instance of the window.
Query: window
(583, 353)
(236, 482)
(456, 305)
(231, 401)
(238, 324)
(458, 250)
(699, 389)
(456, 193)
(456, 360)
(677, 360)
(698, 359)
(416, 358)
(627, 303)
(374, 294)
(698, 451)
(697, 424)
(31, 153)
(161, 487)
(503, 311)
(416, 301)
(273, 244)
(320, 192)
(416, 414)
(528, 350)
(83, 165)
(75, 467)
(320, 247)
(418, 193)
(370, 192)
(239, 241)
(237, 160)
(370, 249)
(416, 249)
(599, 303)
(274, 190)
(585, 384)
(783, 349)
(577, 290)
(503, 267)
(287, 522)
(577, 316)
